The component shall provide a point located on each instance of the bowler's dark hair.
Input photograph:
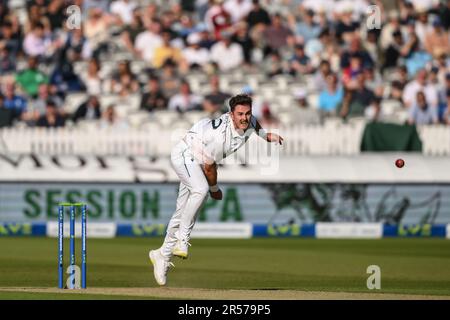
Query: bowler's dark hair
(243, 99)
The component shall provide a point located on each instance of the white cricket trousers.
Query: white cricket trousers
(193, 191)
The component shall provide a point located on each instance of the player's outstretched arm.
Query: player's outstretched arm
(210, 171)
(269, 137)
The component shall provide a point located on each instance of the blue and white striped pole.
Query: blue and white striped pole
(83, 247)
(60, 247)
(72, 244)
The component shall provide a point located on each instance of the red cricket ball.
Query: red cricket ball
(399, 163)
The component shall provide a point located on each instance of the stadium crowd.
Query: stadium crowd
(328, 45)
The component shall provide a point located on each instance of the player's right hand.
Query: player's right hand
(216, 195)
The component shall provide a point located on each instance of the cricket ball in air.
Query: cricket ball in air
(399, 163)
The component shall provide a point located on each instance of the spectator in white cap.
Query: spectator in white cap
(195, 56)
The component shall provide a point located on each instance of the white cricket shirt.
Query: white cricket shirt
(211, 140)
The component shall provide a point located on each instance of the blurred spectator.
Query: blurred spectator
(300, 62)
(437, 41)
(446, 117)
(420, 84)
(7, 60)
(268, 120)
(111, 121)
(195, 56)
(422, 26)
(185, 100)
(388, 35)
(4, 10)
(154, 98)
(374, 111)
(395, 50)
(91, 78)
(36, 16)
(401, 76)
(417, 57)
(88, 110)
(217, 18)
(214, 101)
(238, 9)
(406, 10)
(30, 79)
(169, 17)
(65, 79)
(315, 48)
(273, 64)
(149, 14)
(166, 51)
(257, 16)
(443, 64)
(371, 46)
(123, 10)
(354, 50)
(147, 41)
(242, 38)
(396, 92)
(36, 42)
(55, 18)
(346, 28)
(13, 101)
(303, 113)
(331, 97)
(36, 107)
(52, 118)
(169, 78)
(206, 38)
(354, 69)
(307, 29)
(277, 35)
(124, 82)
(6, 115)
(131, 31)
(443, 12)
(185, 26)
(228, 55)
(356, 100)
(96, 30)
(76, 47)
(320, 77)
(9, 38)
(373, 81)
(421, 112)
(442, 94)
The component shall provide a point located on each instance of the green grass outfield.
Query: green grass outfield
(408, 266)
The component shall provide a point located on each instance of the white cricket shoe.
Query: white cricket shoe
(160, 266)
(181, 249)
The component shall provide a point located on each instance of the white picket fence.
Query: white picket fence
(332, 138)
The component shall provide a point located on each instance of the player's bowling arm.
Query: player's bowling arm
(210, 171)
(269, 137)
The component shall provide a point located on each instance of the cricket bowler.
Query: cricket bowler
(194, 160)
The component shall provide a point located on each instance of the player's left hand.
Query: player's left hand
(273, 137)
